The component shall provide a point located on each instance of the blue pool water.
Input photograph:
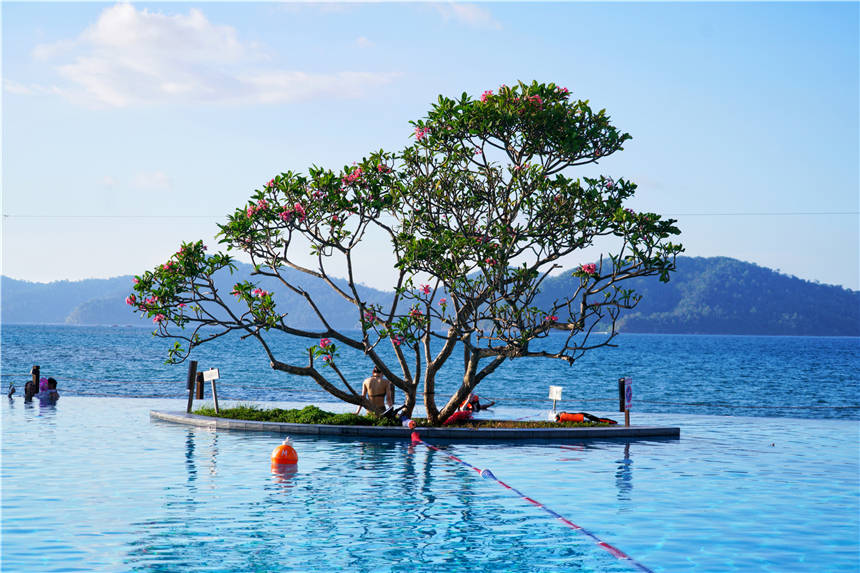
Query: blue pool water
(92, 484)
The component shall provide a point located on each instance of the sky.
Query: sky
(129, 128)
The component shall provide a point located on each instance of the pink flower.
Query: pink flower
(369, 316)
(478, 151)
(486, 95)
(551, 318)
(589, 269)
(536, 99)
(352, 177)
(261, 205)
(135, 280)
(327, 358)
(397, 340)
(286, 214)
(271, 183)
(420, 132)
(415, 313)
(383, 168)
(182, 305)
(443, 302)
(562, 90)
(490, 261)
(325, 342)
(425, 289)
(250, 211)
(300, 210)
(159, 318)
(130, 300)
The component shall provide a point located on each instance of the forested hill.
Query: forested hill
(719, 295)
(715, 295)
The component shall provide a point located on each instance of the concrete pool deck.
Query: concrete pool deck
(402, 432)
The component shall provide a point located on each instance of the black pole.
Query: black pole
(621, 401)
(192, 376)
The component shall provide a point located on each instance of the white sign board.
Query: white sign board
(555, 392)
(628, 393)
(211, 374)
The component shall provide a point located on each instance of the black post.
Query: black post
(621, 401)
(199, 385)
(192, 375)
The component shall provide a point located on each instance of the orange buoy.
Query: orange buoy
(285, 454)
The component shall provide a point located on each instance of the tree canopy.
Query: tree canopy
(478, 209)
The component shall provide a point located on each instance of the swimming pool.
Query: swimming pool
(94, 485)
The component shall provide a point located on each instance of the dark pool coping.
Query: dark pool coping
(401, 432)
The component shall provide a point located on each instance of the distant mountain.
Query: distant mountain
(719, 295)
(715, 295)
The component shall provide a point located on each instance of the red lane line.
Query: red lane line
(616, 552)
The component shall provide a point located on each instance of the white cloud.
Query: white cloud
(469, 14)
(154, 181)
(363, 42)
(138, 57)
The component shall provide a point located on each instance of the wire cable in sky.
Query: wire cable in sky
(737, 214)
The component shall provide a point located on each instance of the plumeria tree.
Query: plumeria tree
(479, 210)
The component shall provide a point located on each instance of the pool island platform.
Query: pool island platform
(446, 433)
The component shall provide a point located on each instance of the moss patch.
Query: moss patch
(307, 415)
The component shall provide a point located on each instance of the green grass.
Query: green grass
(307, 415)
(314, 415)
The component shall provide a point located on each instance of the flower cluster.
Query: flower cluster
(415, 313)
(352, 177)
(131, 300)
(270, 184)
(260, 293)
(286, 213)
(425, 289)
(383, 168)
(261, 205)
(589, 269)
(551, 318)
(486, 95)
(324, 342)
(420, 132)
(397, 339)
(158, 318)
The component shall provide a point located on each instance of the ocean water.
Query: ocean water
(796, 377)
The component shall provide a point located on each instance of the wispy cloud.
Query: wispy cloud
(134, 57)
(363, 42)
(468, 14)
(152, 181)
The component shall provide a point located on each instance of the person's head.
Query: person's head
(376, 372)
(52, 384)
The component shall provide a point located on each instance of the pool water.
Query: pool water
(92, 484)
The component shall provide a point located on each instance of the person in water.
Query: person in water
(380, 390)
(49, 395)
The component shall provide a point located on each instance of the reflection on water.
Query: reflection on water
(624, 475)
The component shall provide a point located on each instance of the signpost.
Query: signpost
(212, 374)
(554, 395)
(628, 399)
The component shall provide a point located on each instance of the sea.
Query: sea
(750, 376)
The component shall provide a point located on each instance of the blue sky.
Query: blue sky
(128, 128)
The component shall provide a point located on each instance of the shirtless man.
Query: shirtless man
(378, 389)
